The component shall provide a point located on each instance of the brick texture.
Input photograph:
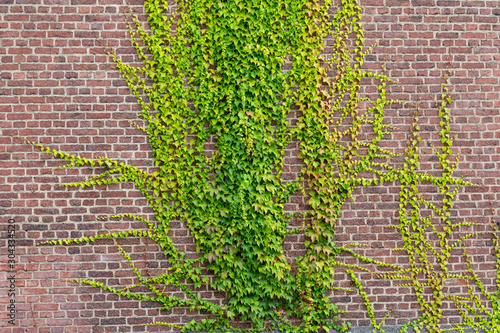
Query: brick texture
(58, 87)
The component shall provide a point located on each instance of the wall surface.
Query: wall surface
(58, 88)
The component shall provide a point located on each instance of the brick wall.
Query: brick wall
(57, 87)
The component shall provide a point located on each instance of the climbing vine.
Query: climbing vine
(429, 256)
(214, 71)
(430, 239)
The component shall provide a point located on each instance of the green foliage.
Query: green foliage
(480, 310)
(369, 308)
(429, 240)
(335, 157)
(219, 78)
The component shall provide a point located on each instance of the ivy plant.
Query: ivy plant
(430, 239)
(220, 76)
(215, 72)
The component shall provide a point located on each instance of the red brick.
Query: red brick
(58, 87)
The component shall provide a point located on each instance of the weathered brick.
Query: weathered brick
(58, 87)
